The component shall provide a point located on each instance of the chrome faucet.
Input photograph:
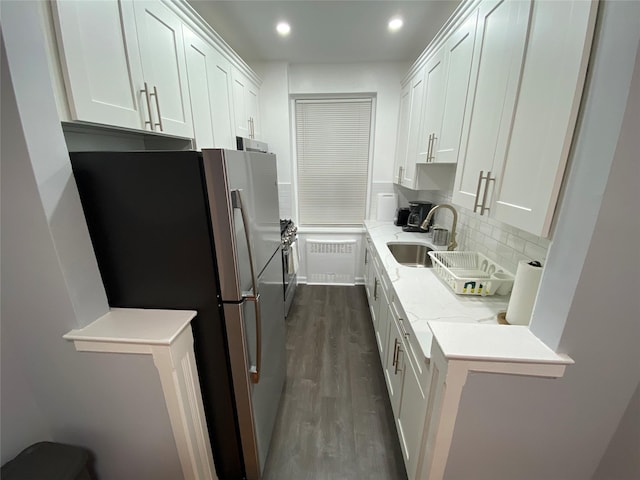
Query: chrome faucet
(425, 225)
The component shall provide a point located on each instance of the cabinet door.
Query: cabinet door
(394, 365)
(164, 67)
(253, 109)
(546, 112)
(209, 88)
(403, 133)
(458, 54)
(382, 330)
(413, 410)
(240, 107)
(367, 269)
(415, 116)
(101, 65)
(497, 61)
(429, 131)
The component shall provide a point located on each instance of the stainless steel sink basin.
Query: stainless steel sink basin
(411, 254)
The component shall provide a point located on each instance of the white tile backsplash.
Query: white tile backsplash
(502, 243)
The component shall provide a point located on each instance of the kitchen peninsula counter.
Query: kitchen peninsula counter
(427, 301)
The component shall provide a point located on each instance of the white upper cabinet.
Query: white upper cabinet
(100, 62)
(403, 137)
(153, 65)
(123, 64)
(246, 103)
(415, 118)
(522, 108)
(432, 111)
(458, 52)
(164, 67)
(209, 77)
(498, 53)
(552, 82)
(431, 118)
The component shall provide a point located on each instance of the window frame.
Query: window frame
(295, 192)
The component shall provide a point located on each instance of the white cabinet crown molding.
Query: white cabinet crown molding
(201, 27)
(455, 20)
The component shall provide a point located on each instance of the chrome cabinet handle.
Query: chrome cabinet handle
(400, 170)
(395, 352)
(432, 141)
(483, 204)
(375, 289)
(484, 208)
(155, 94)
(249, 126)
(254, 371)
(366, 256)
(253, 128)
(428, 159)
(398, 369)
(145, 90)
(476, 204)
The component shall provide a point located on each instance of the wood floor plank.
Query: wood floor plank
(335, 419)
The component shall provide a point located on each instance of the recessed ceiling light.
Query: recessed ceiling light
(395, 24)
(283, 28)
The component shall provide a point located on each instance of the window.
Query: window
(332, 140)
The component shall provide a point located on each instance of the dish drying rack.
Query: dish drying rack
(468, 273)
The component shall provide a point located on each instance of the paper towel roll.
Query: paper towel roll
(386, 206)
(523, 295)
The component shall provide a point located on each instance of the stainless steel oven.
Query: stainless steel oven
(289, 261)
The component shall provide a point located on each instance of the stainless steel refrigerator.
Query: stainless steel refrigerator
(201, 230)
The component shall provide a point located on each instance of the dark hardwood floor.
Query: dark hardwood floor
(335, 419)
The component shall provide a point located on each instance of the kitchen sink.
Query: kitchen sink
(411, 254)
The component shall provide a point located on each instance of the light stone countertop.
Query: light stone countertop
(455, 319)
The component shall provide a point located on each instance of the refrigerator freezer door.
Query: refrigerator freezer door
(257, 404)
(255, 176)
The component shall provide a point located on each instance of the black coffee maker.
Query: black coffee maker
(418, 212)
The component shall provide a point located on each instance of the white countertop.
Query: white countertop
(427, 301)
(135, 326)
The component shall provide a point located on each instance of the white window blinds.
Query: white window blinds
(332, 138)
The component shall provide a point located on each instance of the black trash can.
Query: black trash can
(48, 461)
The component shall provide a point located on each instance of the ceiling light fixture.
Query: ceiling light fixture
(283, 29)
(395, 24)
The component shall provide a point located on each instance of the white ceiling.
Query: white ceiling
(326, 31)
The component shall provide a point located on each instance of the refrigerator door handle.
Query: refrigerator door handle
(254, 371)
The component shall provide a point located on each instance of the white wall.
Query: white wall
(111, 404)
(22, 32)
(621, 460)
(282, 81)
(276, 124)
(511, 427)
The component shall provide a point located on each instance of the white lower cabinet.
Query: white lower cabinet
(405, 373)
(410, 421)
(394, 364)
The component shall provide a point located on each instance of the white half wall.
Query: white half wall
(588, 307)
